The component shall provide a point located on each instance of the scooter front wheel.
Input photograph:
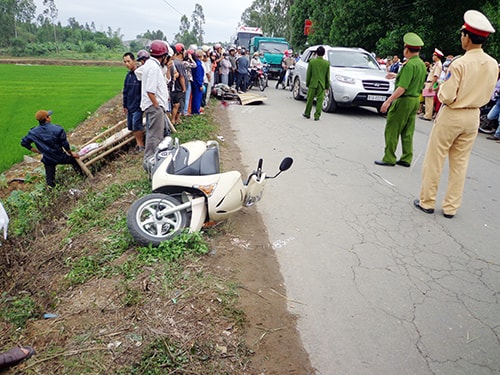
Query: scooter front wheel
(148, 225)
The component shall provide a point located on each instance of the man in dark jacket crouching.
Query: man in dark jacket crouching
(50, 141)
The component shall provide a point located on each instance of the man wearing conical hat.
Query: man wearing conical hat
(468, 86)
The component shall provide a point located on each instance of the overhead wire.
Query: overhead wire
(171, 6)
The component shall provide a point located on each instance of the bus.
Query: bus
(243, 36)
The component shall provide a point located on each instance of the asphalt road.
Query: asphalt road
(379, 287)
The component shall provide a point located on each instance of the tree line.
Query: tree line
(375, 25)
(24, 33)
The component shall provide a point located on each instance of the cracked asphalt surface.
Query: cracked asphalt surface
(379, 287)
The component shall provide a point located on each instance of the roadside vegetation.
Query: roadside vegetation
(115, 307)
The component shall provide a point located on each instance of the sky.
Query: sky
(135, 17)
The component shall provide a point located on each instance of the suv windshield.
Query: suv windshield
(352, 59)
(270, 47)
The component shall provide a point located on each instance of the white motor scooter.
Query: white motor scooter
(189, 191)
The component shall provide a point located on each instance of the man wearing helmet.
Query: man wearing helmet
(154, 97)
(286, 63)
(142, 56)
(255, 64)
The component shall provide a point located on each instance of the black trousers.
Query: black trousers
(50, 171)
(281, 77)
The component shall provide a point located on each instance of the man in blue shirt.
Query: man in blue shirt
(132, 100)
(242, 64)
(50, 141)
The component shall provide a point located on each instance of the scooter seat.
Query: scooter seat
(207, 164)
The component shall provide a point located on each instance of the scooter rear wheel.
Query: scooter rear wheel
(145, 224)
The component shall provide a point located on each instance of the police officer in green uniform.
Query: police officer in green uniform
(402, 105)
(317, 82)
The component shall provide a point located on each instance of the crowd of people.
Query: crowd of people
(187, 76)
(168, 82)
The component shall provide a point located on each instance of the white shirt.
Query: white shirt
(154, 82)
(207, 66)
(255, 63)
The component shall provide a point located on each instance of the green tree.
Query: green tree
(185, 35)
(492, 46)
(153, 35)
(136, 45)
(50, 12)
(268, 15)
(12, 14)
(198, 20)
(299, 12)
(379, 26)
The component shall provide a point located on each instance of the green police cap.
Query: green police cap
(412, 40)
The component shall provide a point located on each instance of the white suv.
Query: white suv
(356, 79)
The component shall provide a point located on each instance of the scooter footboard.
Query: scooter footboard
(198, 214)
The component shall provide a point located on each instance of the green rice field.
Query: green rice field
(72, 92)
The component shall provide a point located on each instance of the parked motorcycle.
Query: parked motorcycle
(260, 78)
(189, 190)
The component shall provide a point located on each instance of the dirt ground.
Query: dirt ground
(241, 252)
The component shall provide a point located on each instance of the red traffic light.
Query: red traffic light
(307, 27)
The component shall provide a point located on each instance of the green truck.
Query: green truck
(272, 50)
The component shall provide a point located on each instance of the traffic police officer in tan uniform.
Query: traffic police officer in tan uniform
(432, 78)
(468, 86)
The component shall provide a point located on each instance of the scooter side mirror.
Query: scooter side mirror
(286, 163)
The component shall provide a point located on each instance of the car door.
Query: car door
(301, 68)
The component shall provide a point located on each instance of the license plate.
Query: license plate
(377, 98)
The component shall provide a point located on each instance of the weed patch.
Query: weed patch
(176, 248)
(17, 310)
(28, 208)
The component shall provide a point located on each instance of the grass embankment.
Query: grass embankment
(120, 308)
(72, 92)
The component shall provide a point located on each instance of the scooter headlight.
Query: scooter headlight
(206, 189)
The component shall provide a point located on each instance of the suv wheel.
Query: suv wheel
(296, 89)
(329, 104)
